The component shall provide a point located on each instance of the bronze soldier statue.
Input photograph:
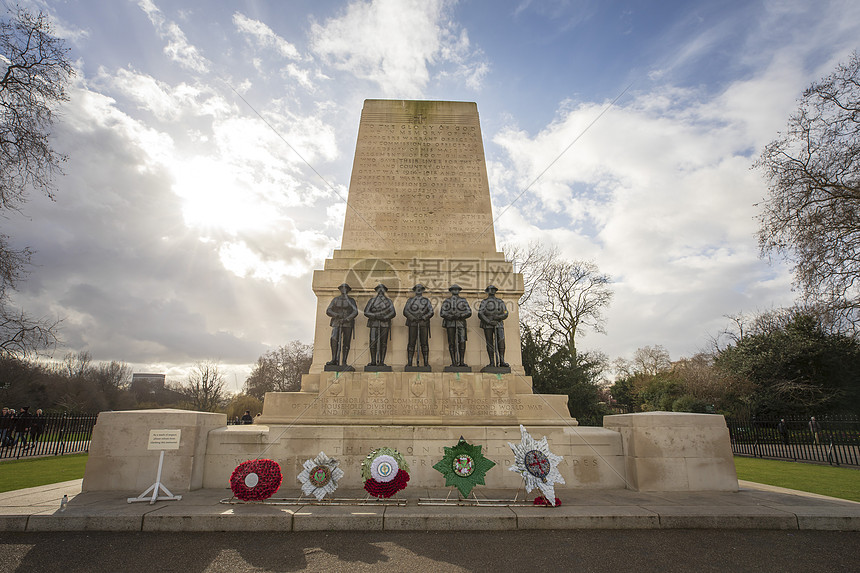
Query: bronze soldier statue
(342, 310)
(418, 311)
(379, 312)
(492, 312)
(454, 312)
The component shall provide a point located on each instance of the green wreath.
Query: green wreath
(464, 466)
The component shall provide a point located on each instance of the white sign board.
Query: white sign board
(163, 440)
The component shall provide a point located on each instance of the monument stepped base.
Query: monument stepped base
(652, 451)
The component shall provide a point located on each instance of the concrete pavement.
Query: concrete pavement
(755, 506)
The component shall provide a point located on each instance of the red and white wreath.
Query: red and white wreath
(256, 480)
(385, 472)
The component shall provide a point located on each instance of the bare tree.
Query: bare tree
(812, 212)
(623, 368)
(533, 262)
(33, 84)
(112, 376)
(570, 300)
(651, 360)
(77, 364)
(204, 387)
(21, 334)
(280, 370)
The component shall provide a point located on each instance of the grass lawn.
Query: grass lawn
(843, 483)
(18, 474)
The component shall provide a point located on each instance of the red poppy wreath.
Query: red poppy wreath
(256, 480)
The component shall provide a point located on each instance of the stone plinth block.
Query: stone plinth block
(435, 398)
(674, 451)
(592, 456)
(120, 461)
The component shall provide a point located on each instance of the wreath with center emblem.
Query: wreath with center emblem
(385, 472)
(256, 480)
(320, 476)
(538, 465)
(464, 466)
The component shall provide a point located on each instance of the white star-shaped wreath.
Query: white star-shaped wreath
(537, 465)
(320, 476)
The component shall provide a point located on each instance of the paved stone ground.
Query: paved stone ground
(756, 529)
(754, 507)
(581, 551)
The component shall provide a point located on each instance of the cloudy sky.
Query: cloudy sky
(206, 140)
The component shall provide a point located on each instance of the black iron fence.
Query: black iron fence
(829, 439)
(49, 435)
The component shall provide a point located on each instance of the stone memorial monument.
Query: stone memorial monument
(419, 221)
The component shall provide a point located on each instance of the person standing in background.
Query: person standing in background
(815, 429)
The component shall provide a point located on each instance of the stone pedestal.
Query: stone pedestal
(415, 398)
(120, 461)
(674, 451)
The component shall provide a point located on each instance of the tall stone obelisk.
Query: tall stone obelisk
(418, 211)
(419, 181)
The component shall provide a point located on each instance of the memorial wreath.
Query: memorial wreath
(385, 472)
(464, 466)
(320, 476)
(538, 466)
(256, 480)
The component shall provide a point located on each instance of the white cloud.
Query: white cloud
(394, 44)
(178, 48)
(300, 75)
(661, 193)
(165, 102)
(264, 36)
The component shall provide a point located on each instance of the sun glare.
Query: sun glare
(214, 199)
(240, 260)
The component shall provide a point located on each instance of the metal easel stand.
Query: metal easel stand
(474, 501)
(302, 500)
(156, 488)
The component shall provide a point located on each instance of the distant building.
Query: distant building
(146, 385)
(150, 389)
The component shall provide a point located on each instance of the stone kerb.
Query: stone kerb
(674, 451)
(120, 461)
